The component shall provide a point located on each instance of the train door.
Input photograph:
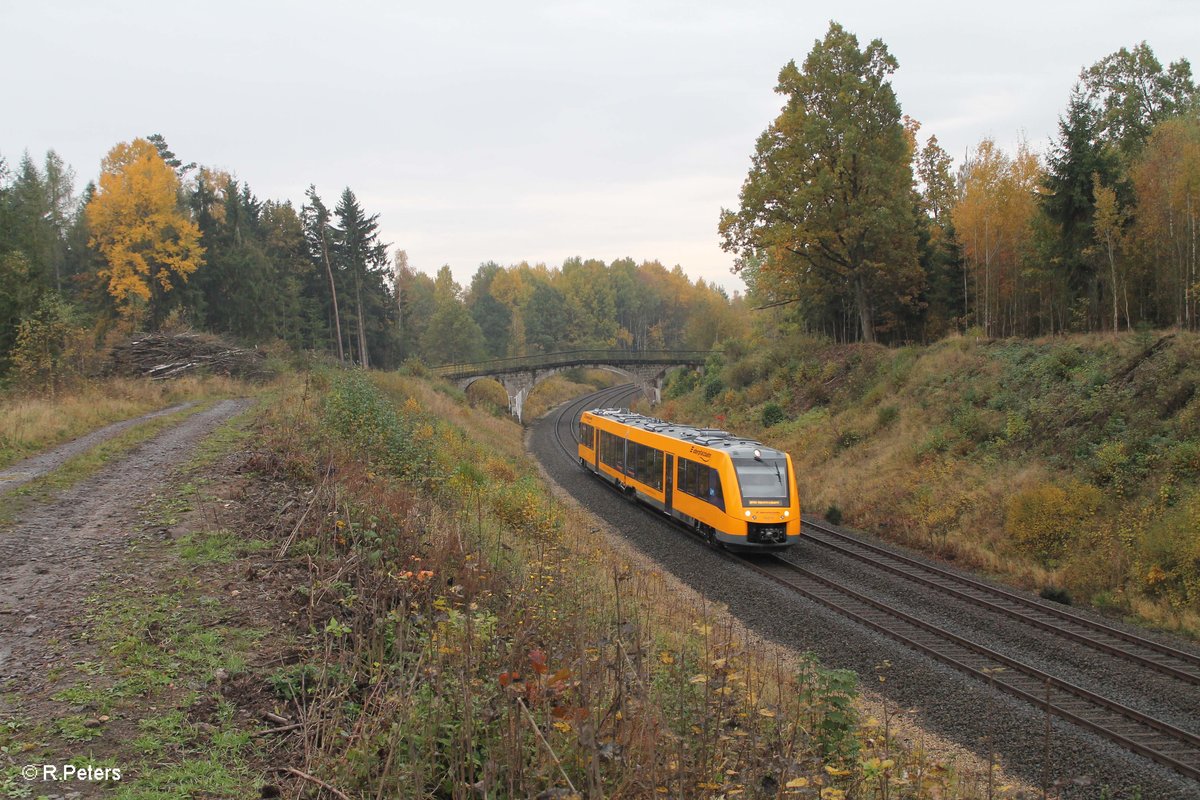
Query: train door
(669, 483)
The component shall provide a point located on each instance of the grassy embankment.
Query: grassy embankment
(1068, 465)
(437, 624)
(472, 635)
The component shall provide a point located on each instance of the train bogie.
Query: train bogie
(736, 491)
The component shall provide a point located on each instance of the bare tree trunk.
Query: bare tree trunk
(364, 360)
(1112, 268)
(864, 310)
(1192, 282)
(337, 318)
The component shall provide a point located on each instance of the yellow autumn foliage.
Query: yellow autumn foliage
(147, 242)
(1042, 520)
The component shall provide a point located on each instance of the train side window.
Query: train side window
(648, 465)
(714, 489)
(612, 450)
(697, 480)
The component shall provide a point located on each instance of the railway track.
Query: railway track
(565, 432)
(1129, 728)
(1148, 653)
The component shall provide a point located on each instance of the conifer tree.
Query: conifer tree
(1069, 202)
(318, 231)
(359, 253)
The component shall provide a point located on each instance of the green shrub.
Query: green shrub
(680, 383)
(1185, 458)
(938, 441)
(415, 367)
(772, 414)
(1055, 594)
(742, 374)
(974, 425)
(713, 387)
(51, 346)
(833, 515)
(846, 440)
(1016, 427)
(831, 693)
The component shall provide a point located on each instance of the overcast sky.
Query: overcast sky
(513, 131)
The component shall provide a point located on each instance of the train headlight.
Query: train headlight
(787, 514)
(747, 513)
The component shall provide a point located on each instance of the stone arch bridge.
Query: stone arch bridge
(520, 375)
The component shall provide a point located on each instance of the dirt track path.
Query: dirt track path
(50, 557)
(24, 471)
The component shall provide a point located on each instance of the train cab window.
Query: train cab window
(762, 481)
(585, 435)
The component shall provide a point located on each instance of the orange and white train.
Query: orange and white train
(736, 491)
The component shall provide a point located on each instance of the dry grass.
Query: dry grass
(474, 635)
(926, 446)
(29, 424)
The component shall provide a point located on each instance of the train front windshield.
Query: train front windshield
(763, 482)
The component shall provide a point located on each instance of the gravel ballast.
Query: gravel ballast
(946, 703)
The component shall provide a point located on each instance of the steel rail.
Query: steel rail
(1179, 664)
(1140, 733)
(1157, 740)
(571, 410)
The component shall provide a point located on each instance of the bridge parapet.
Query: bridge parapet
(574, 358)
(519, 375)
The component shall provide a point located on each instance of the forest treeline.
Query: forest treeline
(865, 232)
(156, 242)
(849, 224)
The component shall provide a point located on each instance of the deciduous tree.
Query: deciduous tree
(148, 244)
(993, 219)
(1129, 92)
(452, 335)
(1109, 225)
(1166, 180)
(828, 201)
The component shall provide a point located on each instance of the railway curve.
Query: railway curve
(553, 440)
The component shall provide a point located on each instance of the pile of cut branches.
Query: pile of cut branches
(159, 356)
